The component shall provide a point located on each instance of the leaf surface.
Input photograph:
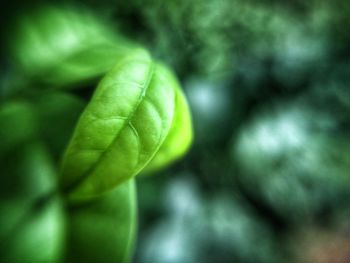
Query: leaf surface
(127, 120)
(103, 229)
(179, 138)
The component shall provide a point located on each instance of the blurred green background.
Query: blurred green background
(267, 178)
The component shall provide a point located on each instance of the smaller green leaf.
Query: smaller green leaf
(103, 229)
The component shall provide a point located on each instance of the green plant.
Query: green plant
(136, 120)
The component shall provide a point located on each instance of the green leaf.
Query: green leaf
(19, 124)
(64, 46)
(121, 129)
(58, 112)
(179, 138)
(103, 229)
(39, 239)
(32, 213)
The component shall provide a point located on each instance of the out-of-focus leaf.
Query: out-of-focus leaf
(103, 230)
(61, 46)
(121, 129)
(58, 113)
(18, 123)
(39, 239)
(31, 214)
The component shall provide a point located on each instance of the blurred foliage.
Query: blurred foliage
(268, 85)
(296, 155)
